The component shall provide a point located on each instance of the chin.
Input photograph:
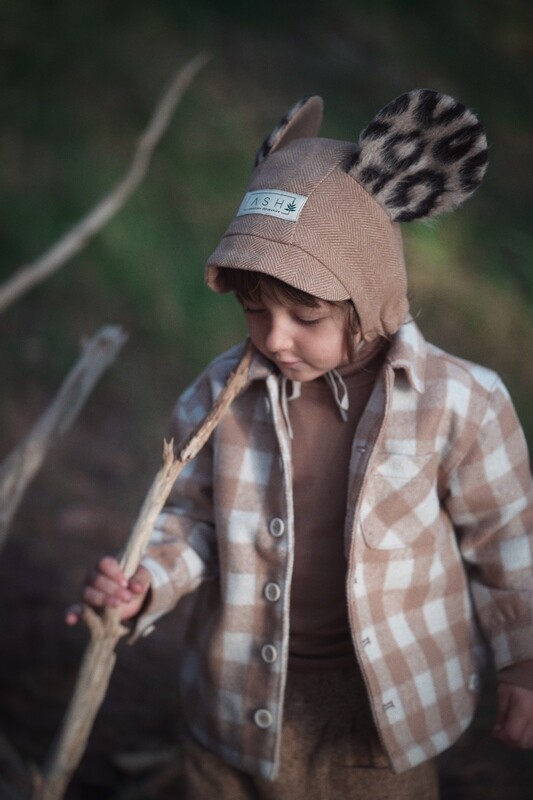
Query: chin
(300, 373)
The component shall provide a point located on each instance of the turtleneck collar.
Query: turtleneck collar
(368, 360)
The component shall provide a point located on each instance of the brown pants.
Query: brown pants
(330, 751)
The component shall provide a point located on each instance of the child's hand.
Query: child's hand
(106, 585)
(514, 719)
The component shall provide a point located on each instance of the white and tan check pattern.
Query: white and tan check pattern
(438, 533)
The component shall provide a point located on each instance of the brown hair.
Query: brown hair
(251, 287)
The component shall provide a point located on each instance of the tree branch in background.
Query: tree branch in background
(106, 629)
(32, 274)
(21, 465)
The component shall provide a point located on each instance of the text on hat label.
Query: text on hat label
(273, 203)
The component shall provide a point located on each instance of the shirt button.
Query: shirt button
(276, 526)
(272, 592)
(269, 653)
(263, 718)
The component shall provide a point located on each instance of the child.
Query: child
(359, 524)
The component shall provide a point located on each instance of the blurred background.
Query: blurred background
(78, 82)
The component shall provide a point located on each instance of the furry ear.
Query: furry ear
(423, 154)
(302, 121)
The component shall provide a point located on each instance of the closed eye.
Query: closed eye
(308, 322)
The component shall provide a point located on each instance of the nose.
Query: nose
(278, 336)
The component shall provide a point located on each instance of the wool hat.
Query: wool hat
(323, 215)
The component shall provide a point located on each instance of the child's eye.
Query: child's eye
(308, 322)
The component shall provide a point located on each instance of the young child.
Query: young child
(358, 528)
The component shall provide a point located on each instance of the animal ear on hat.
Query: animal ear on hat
(301, 122)
(423, 154)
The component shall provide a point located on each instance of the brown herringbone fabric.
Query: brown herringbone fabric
(343, 245)
(318, 214)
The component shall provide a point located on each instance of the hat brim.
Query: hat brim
(287, 262)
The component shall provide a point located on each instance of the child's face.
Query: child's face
(304, 342)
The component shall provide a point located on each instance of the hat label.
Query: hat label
(273, 203)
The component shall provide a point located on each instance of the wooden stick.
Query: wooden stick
(21, 465)
(106, 628)
(77, 237)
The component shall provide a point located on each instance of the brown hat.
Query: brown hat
(322, 215)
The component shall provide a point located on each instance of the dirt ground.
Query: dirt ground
(75, 511)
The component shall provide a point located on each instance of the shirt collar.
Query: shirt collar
(408, 353)
(260, 367)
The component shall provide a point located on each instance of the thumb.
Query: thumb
(140, 581)
(504, 695)
(73, 614)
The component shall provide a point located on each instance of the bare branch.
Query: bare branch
(106, 629)
(21, 465)
(172, 467)
(28, 276)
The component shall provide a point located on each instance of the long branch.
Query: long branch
(78, 236)
(20, 466)
(106, 629)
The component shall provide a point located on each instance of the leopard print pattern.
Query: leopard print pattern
(282, 132)
(423, 154)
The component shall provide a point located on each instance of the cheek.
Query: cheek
(343, 348)
(337, 343)
(328, 348)
(255, 330)
(251, 324)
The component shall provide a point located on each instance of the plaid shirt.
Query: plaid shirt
(437, 545)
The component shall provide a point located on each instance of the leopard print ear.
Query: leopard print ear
(423, 154)
(302, 121)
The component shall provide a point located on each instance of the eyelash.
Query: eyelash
(308, 323)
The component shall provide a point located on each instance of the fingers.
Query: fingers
(140, 581)
(106, 586)
(514, 720)
(503, 703)
(73, 614)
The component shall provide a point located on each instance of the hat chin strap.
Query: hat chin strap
(285, 398)
(335, 383)
(339, 391)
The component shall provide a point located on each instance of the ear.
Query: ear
(423, 154)
(302, 121)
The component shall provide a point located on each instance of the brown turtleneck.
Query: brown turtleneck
(321, 449)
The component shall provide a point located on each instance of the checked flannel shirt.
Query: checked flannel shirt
(439, 552)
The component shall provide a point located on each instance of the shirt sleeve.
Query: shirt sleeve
(182, 550)
(490, 501)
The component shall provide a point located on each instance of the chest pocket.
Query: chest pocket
(400, 505)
